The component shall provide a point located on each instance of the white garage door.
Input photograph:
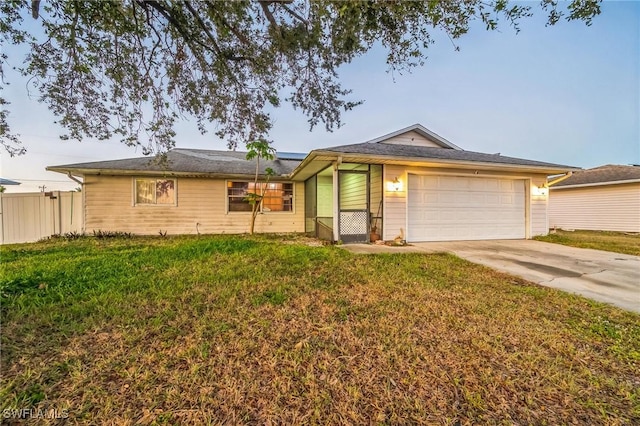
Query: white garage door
(447, 208)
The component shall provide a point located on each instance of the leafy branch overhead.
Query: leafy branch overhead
(130, 69)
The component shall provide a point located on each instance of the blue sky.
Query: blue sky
(568, 94)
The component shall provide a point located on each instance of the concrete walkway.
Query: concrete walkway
(600, 275)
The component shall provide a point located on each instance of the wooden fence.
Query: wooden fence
(28, 217)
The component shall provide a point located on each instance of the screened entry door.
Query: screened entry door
(353, 202)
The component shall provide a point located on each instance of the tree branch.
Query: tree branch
(231, 28)
(35, 8)
(294, 14)
(268, 14)
(204, 28)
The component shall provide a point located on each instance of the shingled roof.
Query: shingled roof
(210, 163)
(4, 181)
(188, 161)
(434, 153)
(609, 173)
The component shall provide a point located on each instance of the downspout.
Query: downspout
(73, 178)
(558, 179)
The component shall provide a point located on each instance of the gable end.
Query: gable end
(415, 135)
(413, 138)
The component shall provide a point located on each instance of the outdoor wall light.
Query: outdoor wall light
(539, 190)
(395, 185)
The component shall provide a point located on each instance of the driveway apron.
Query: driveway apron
(600, 275)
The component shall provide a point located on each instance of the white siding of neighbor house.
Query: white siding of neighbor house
(109, 207)
(598, 208)
(412, 138)
(395, 203)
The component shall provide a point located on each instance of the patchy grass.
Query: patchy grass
(232, 329)
(617, 242)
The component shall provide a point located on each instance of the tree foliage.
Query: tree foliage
(130, 69)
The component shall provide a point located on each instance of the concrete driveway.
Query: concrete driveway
(604, 276)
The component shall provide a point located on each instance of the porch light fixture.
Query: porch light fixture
(539, 190)
(395, 185)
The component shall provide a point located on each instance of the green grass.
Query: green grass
(233, 329)
(617, 242)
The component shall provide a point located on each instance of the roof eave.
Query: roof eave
(9, 182)
(309, 158)
(119, 172)
(382, 159)
(585, 185)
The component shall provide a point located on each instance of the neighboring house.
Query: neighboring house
(605, 198)
(411, 182)
(5, 182)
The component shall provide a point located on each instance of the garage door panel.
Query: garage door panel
(444, 208)
(483, 184)
(507, 200)
(429, 198)
(508, 185)
(448, 184)
(429, 183)
(482, 199)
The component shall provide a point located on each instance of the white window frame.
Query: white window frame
(134, 201)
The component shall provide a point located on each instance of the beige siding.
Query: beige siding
(539, 220)
(395, 203)
(412, 138)
(109, 206)
(600, 208)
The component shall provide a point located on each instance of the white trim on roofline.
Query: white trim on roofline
(426, 162)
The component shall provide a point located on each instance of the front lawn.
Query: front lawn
(239, 330)
(618, 242)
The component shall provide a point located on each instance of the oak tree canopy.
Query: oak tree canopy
(130, 69)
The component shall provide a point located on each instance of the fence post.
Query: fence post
(59, 200)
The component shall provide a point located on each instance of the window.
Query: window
(278, 197)
(155, 191)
